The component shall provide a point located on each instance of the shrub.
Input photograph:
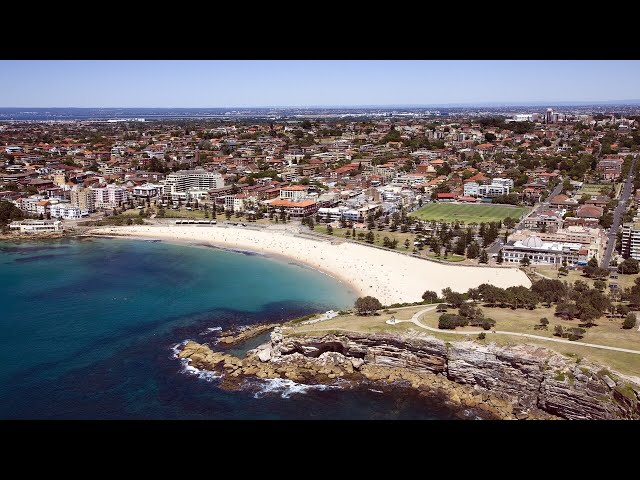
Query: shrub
(449, 321)
(629, 321)
(482, 336)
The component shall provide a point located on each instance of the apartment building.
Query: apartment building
(185, 180)
(631, 240)
(110, 196)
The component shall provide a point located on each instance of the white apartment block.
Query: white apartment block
(148, 190)
(471, 189)
(631, 240)
(505, 182)
(110, 196)
(184, 180)
(65, 210)
(491, 191)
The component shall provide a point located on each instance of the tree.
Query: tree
(406, 243)
(454, 299)
(629, 266)
(473, 250)
(600, 285)
(484, 258)
(474, 294)
(622, 310)
(311, 225)
(591, 266)
(329, 229)
(370, 237)
(367, 305)
(544, 322)
(430, 296)
(500, 258)
(558, 331)
(525, 262)
(629, 321)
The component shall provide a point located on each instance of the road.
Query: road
(617, 215)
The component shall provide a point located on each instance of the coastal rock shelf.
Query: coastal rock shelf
(517, 382)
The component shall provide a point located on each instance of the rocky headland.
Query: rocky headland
(515, 382)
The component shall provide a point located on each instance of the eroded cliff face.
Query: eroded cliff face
(522, 381)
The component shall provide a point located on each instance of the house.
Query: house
(561, 201)
(589, 211)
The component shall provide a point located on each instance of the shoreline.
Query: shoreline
(269, 255)
(386, 275)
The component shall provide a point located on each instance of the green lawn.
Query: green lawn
(450, 212)
(591, 189)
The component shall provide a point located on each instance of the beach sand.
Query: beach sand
(389, 276)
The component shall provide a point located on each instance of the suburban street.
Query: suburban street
(617, 215)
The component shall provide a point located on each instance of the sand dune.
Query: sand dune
(391, 277)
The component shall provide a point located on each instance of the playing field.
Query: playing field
(450, 212)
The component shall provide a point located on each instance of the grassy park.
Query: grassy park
(606, 332)
(450, 212)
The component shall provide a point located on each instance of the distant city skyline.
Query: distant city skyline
(314, 83)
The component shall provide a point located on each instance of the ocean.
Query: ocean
(89, 330)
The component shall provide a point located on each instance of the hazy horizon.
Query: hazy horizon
(315, 83)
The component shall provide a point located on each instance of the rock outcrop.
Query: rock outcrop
(522, 381)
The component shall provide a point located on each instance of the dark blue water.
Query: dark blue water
(88, 328)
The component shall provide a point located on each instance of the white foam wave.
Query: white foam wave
(209, 330)
(188, 369)
(286, 387)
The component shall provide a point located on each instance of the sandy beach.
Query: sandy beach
(389, 276)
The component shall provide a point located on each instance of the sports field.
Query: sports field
(467, 213)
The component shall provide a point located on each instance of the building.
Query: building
(303, 208)
(631, 240)
(589, 211)
(505, 182)
(184, 180)
(36, 226)
(492, 191)
(65, 210)
(293, 193)
(110, 196)
(148, 190)
(610, 167)
(548, 221)
(83, 198)
(592, 239)
(235, 202)
(541, 253)
(471, 189)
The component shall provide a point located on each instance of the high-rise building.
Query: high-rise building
(185, 180)
(83, 198)
(549, 116)
(631, 240)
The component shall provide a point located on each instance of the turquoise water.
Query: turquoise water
(88, 327)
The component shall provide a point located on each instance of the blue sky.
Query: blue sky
(245, 83)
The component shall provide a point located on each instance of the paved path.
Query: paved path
(416, 320)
